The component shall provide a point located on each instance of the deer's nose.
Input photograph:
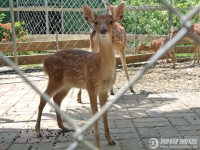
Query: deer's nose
(103, 30)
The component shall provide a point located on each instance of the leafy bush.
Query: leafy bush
(2, 16)
(153, 21)
(6, 32)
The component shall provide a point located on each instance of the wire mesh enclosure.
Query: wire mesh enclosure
(32, 30)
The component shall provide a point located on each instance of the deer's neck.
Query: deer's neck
(106, 52)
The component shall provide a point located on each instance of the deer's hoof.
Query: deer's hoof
(112, 93)
(112, 143)
(39, 135)
(132, 91)
(67, 130)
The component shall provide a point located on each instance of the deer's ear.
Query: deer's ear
(88, 14)
(172, 28)
(119, 12)
(110, 7)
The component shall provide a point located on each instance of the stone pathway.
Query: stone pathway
(172, 119)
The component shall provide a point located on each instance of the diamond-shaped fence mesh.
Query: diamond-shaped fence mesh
(43, 27)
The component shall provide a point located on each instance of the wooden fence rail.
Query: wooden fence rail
(75, 43)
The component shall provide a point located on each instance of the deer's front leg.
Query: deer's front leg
(102, 101)
(93, 103)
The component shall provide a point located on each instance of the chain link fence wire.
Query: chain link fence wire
(36, 29)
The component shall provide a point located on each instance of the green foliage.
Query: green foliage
(153, 21)
(6, 32)
(2, 16)
(184, 55)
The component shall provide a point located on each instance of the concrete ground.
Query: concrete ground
(171, 119)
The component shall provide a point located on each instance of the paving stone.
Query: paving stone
(118, 117)
(178, 121)
(130, 103)
(177, 114)
(189, 127)
(61, 145)
(135, 96)
(41, 146)
(196, 110)
(122, 130)
(20, 147)
(162, 101)
(168, 132)
(165, 108)
(120, 136)
(167, 95)
(132, 121)
(148, 133)
(104, 145)
(154, 113)
(193, 120)
(8, 137)
(7, 118)
(129, 144)
(194, 145)
(4, 146)
(119, 112)
(150, 120)
(189, 133)
(124, 123)
(138, 113)
(15, 126)
(152, 124)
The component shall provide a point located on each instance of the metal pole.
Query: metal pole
(18, 11)
(46, 17)
(170, 17)
(13, 33)
(62, 17)
(135, 30)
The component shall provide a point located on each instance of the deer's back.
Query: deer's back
(196, 28)
(119, 37)
(158, 43)
(78, 68)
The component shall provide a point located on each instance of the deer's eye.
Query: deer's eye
(111, 22)
(96, 23)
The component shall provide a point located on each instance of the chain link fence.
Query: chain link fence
(43, 27)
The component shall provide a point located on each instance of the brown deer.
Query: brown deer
(118, 41)
(155, 46)
(195, 28)
(95, 72)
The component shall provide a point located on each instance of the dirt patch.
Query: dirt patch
(183, 78)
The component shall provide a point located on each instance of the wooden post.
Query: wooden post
(57, 44)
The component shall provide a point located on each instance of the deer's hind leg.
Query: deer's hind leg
(123, 60)
(58, 97)
(79, 96)
(51, 89)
